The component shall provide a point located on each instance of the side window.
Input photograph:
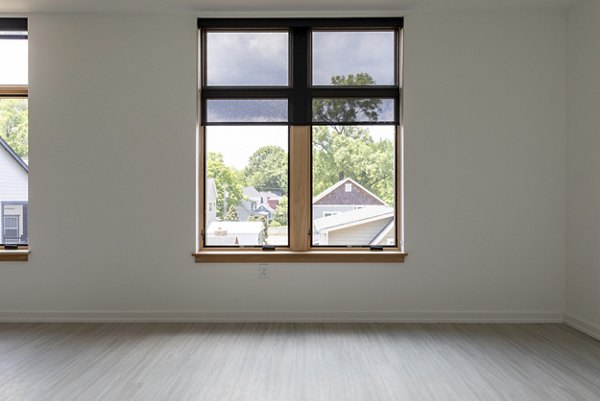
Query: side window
(14, 133)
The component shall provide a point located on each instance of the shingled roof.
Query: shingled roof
(337, 195)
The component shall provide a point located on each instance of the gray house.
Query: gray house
(373, 225)
(14, 195)
(211, 201)
(257, 203)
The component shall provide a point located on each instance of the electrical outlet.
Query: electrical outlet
(263, 270)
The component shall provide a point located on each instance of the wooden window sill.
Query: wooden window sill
(283, 256)
(21, 255)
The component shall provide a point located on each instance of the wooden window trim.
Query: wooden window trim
(10, 91)
(300, 249)
(284, 256)
(19, 255)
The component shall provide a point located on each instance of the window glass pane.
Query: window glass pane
(353, 58)
(353, 185)
(350, 110)
(247, 59)
(246, 110)
(14, 171)
(13, 64)
(246, 190)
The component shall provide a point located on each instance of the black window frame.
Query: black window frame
(300, 92)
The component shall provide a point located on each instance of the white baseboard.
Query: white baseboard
(579, 324)
(334, 317)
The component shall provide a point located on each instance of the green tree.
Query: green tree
(346, 151)
(350, 109)
(232, 214)
(281, 212)
(14, 124)
(227, 182)
(267, 169)
(352, 153)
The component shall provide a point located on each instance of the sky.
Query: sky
(13, 62)
(247, 58)
(344, 53)
(238, 143)
(261, 58)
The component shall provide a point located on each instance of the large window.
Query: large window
(14, 134)
(300, 140)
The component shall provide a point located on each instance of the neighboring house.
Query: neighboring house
(211, 201)
(257, 203)
(249, 233)
(343, 196)
(373, 225)
(14, 195)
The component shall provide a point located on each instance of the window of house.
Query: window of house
(299, 140)
(14, 134)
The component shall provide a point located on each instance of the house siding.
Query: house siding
(211, 197)
(361, 234)
(13, 180)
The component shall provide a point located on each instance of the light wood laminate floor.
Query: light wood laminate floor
(289, 362)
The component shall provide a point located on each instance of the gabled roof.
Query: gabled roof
(269, 195)
(6, 146)
(265, 207)
(338, 184)
(251, 193)
(254, 195)
(353, 218)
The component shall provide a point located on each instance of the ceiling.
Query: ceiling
(271, 7)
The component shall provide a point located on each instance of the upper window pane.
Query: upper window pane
(247, 59)
(357, 58)
(246, 110)
(13, 62)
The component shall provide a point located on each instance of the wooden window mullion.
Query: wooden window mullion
(300, 188)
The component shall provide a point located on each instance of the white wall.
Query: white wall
(583, 263)
(113, 111)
